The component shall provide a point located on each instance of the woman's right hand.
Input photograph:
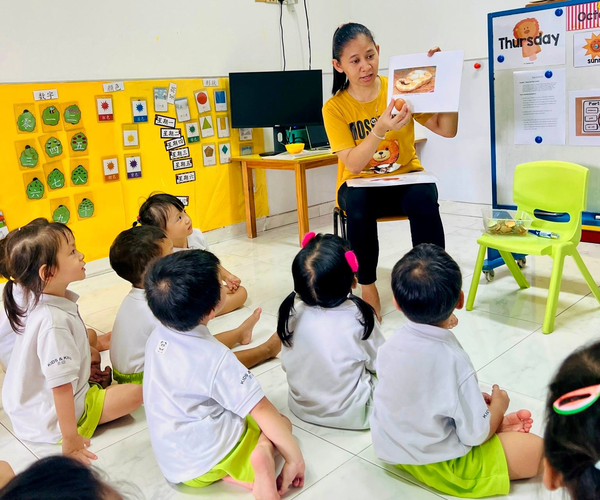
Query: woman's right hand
(388, 121)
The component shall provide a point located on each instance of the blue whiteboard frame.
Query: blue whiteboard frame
(588, 218)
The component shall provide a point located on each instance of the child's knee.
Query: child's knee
(286, 420)
(242, 293)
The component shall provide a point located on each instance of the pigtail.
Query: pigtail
(14, 313)
(367, 315)
(3, 259)
(286, 310)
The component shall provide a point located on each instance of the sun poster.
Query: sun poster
(586, 48)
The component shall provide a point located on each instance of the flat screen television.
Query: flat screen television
(276, 98)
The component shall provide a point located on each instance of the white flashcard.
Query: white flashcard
(222, 126)
(210, 82)
(160, 99)
(246, 151)
(104, 106)
(111, 169)
(130, 138)
(140, 110)
(220, 100)
(172, 93)
(45, 95)
(245, 134)
(192, 130)
(170, 133)
(225, 153)
(175, 154)
(113, 87)
(174, 143)
(182, 108)
(209, 155)
(206, 126)
(133, 164)
(202, 101)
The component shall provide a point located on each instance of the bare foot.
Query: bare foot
(247, 326)
(263, 463)
(371, 296)
(103, 342)
(273, 346)
(519, 421)
(452, 322)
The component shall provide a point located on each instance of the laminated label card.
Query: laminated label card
(140, 110)
(160, 99)
(104, 107)
(182, 108)
(133, 164)
(202, 101)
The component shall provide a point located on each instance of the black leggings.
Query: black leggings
(363, 206)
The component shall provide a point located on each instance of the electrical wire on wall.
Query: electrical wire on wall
(281, 26)
(308, 31)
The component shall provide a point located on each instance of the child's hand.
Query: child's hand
(500, 398)
(291, 474)
(75, 447)
(233, 282)
(487, 398)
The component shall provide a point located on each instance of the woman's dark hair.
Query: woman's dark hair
(57, 478)
(132, 251)
(155, 210)
(323, 278)
(572, 442)
(183, 288)
(24, 252)
(342, 36)
(426, 284)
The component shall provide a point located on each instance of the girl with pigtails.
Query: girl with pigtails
(330, 337)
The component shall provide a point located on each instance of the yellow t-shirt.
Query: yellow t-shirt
(348, 122)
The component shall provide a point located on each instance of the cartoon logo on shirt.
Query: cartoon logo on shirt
(162, 346)
(384, 159)
(60, 361)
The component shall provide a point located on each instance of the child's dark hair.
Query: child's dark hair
(155, 210)
(183, 288)
(323, 278)
(40, 221)
(57, 477)
(344, 34)
(132, 251)
(426, 283)
(25, 251)
(572, 442)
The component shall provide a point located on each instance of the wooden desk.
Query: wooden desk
(299, 166)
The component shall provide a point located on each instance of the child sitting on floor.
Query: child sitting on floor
(207, 415)
(130, 255)
(168, 213)
(572, 439)
(430, 417)
(329, 335)
(46, 392)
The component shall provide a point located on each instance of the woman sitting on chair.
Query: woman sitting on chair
(369, 141)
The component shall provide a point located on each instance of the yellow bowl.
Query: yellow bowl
(295, 148)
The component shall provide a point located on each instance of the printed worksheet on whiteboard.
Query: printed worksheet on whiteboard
(540, 107)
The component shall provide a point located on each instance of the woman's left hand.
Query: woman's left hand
(433, 51)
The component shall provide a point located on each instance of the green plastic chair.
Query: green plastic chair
(551, 186)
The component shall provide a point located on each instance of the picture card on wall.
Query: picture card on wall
(133, 164)
(206, 126)
(104, 108)
(185, 177)
(130, 136)
(140, 110)
(51, 119)
(160, 99)
(25, 118)
(110, 164)
(245, 134)
(78, 142)
(71, 113)
(225, 153)
(175, 154)
(220, 100)
(174, 143)
(192, 130)
(222, 126)
(170, 133)
(202, 101)
(246, 150)
(182, 108)
(182, 164)
(164, 121)
(209, 155)
(172, 93)
(184, 199)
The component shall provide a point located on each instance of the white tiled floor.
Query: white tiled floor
(502, 335)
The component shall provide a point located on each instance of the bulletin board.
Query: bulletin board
(551, 38)
(90, 153)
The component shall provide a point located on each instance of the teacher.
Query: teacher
(371, 142)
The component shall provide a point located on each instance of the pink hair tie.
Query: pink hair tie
(307, 238)
(352, 260)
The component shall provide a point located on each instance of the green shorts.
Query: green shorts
(237, 462)
(128, 378)
(483, 472)
(94, 403)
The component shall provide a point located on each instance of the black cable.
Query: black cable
(308, 30)
(281, 26)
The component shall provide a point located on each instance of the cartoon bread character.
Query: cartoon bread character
(524, 29)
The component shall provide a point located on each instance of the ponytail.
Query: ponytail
(13, 312)
(3, 259)
(342, 36)
(367, 313)
(286, 309)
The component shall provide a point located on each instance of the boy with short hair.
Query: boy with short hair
(430, 418)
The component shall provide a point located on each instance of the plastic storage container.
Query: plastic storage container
(506, 222)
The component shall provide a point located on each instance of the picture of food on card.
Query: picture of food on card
(414, 80)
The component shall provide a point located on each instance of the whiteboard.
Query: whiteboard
(505, 154)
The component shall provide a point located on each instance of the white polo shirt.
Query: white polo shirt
(196, 395)
(428, 406)
(329, 368)
(7, 334)
(52, 351)
(133, 325)
(195, 241)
